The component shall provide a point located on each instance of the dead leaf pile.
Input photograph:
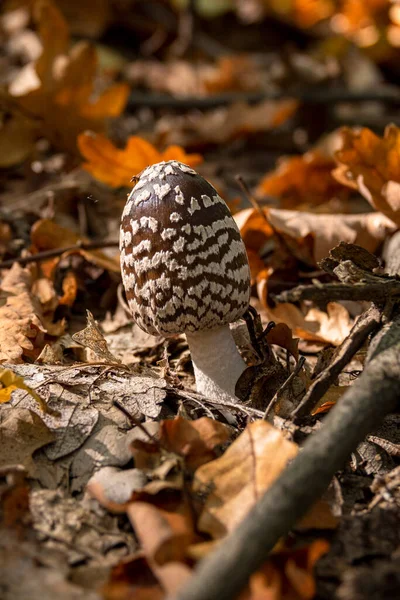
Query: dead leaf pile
(178, 526)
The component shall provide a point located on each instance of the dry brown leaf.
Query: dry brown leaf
(324, 231)
(21, 326)
(282, 336)
(302, 180)
(371, 165)
(315, 325)
(194, 440)
(240, 476)
(22, 432)
(93, 338)
(165, 530)
(59, 88)
(288, 574)
(117, 167)
(47, 235)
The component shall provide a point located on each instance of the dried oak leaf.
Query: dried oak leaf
(288, 574)
(371, 165)
(323, 231)
(116, 167)
(59, 88)
(21, 325)
(21, 433)
(314, 325)
(241, 475)
(302, 180)
(194, 440)
(93, 338)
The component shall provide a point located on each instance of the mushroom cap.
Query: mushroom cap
(184, 264)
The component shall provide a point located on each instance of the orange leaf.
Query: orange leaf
(371, 165)
(195, 440)
(117, 167)
(305, 179)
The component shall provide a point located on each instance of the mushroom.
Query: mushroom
(185, 270)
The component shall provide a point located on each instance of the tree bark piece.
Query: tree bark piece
(224, 573)
(331, 292)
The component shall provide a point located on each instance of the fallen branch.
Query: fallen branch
(46, 254)
(225, 572)
(331, 292)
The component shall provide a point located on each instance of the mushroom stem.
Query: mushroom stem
(216, 361)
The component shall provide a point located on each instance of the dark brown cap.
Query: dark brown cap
(184, 264)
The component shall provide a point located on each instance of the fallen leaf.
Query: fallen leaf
(93, 338)
(240, 476)
(165, 530)
(314, 325)
(371, 165)
(196, 441)
(324, 231)
(133, 578)
(59, 88)
(302, 180)
(329, 399)
(117, 167)
(282, 336)
(288, 574)
(21, 433)
(21, 328)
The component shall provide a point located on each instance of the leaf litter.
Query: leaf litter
(114, 473)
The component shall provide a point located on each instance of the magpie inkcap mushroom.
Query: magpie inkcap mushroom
(185, 269)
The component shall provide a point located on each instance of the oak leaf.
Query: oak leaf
(371, 165)
(241, 475)
(21, 326)
(116, 167)
(59, 89)
(302, 180)
(323, 231)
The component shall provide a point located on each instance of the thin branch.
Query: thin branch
(46, 254)
(309, 96)
(223, 574)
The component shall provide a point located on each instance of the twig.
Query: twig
(310, 96)
(223, 574)
(137, 423)
(46, 254)
(330, 292)
(364, 326)
(284, 386)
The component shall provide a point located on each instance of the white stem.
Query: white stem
(216, 361)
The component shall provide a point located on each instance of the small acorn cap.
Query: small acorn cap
(184, 264)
